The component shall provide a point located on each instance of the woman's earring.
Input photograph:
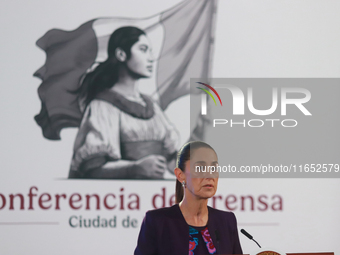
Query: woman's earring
(183, 184)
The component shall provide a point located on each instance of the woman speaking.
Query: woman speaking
(190, 226)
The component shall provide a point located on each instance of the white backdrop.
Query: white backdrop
(253, 39)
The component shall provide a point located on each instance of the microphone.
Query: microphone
(249, 236)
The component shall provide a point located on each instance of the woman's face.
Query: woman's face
(201, 185)
(141, 59)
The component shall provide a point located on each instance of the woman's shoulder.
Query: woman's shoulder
(224, 219)
(101, 103)
(99, 108)
(223, 214)
(150, 100)
(164, 213)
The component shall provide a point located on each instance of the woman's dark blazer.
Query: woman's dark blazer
(165, 232)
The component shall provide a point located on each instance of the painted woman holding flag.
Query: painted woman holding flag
(89, 81)
(123, 134)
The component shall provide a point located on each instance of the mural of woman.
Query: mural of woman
(123, 134)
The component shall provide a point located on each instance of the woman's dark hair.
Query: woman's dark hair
(105, 74)
(182, 157)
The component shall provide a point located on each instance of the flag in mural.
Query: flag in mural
(182, 39)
